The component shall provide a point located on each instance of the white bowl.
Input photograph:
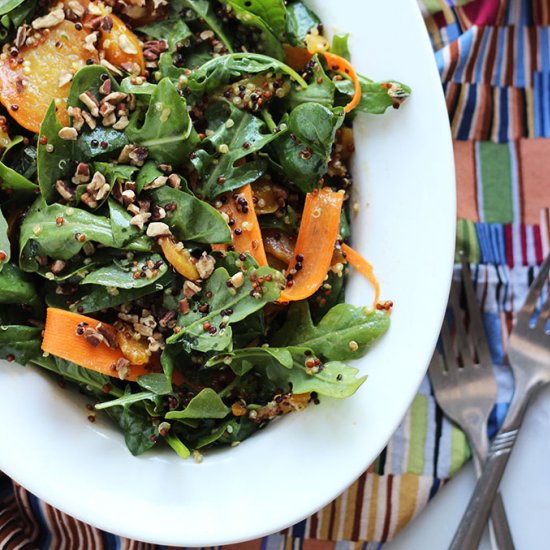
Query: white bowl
(405, 185)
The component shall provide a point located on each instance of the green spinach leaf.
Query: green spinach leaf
(122, 273)
(315, 126)
(123, 232)
(345, 332)
(220, 70)
(99, 298)
(147, 174)
(78, 375)
(295, 161)
(53, 155)
(43, 235)
(241, 301)
(205, 11)
(335, 379)
(14, 181)
(20, 342)
(16, 287)
(266, 15)
(193, 219)
(299, 22)
(172, 29)
(139, 432)
(230, 142)
(5, 246)
(167, 131)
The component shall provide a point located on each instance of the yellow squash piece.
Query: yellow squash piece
(42, 72)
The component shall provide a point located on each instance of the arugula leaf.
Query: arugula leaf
(167, 131)
(121, 273)
(21, 342)
(331, 337)
(42, 235)
(243, 360)
(214, 166)
(240, 300)
(299, 22)
(206, 404)
(222, 69)
(316, 126)
(205, 11)
(172, 29)
(285, 367)
(193, 219)
(340, 46)
(320, 90)
(5, 246)
(126, 400)
(376, 97)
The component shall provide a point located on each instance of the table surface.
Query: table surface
(525, 489)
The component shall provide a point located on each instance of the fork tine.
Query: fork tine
(477, 329)
(448, 352)
(463, 345)
(526, 312)
(436, 370)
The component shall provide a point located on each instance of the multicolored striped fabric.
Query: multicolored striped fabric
(494, 59)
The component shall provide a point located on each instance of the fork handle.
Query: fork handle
(500, 526)
(472, 525)
(499, 529)
(469, 532)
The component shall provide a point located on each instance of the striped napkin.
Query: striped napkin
(494, 60)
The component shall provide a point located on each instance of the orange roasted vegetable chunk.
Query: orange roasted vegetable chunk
(279, 245)
(178, 258)
(60, 339)
(28, 88)
(136, 351)
(245, 229)
(315, 245)
(122, 47)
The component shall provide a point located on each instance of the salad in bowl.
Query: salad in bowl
(175, 215)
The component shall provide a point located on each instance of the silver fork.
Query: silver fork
(467, 393)
(529, 355)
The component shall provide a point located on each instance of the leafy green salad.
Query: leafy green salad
(175, 211)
